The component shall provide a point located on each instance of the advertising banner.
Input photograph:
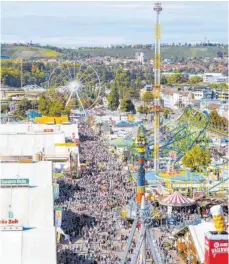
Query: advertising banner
(17, 159)
(69, 144)
(10, 182)
(58, 217)
(59, 168)
(216, 250)
(56, 191)
(74, 162)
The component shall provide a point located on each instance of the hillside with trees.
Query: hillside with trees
(172, 51)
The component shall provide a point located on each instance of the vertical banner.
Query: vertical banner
(73, 162)
(58, 237)
(58, 217)
(56, 191)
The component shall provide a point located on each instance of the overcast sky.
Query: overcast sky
(75, 24)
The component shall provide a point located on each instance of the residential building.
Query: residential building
(222, 94)
(203, 94)
(140, 57)
(186, 98)
(214, 78)
(223, 110)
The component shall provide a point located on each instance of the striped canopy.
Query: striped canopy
(176, 199)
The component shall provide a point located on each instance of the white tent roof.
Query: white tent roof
(33, 208)
(176, 199)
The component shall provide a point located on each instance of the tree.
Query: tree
(122, 81)
(138, 83)
(195, 80)
(22, 107)
(5, 108)
(218, 122)
(163, 80)
(113, 97)
(147, 97)
(127, 105)
(196, 158)
(52, 103)
(144, 109)
(176, 78)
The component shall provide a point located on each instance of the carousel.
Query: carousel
(177, 200)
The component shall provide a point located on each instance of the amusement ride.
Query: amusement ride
(79, 82)
(171, 139)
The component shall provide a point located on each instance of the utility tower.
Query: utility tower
(157, 86)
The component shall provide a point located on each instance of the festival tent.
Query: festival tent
(128, 124)
(26, 197)
(120, 143)
(177, 200)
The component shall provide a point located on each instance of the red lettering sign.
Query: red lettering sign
(217, 250)
(8, 222)
(48, 130)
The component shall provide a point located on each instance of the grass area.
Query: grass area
(16, 52)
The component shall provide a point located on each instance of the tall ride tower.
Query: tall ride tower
(157, 86)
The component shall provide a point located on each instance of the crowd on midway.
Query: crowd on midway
(92, 205)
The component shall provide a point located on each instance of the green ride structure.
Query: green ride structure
(182, 133)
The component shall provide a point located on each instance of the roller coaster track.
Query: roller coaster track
(200, 133)
(172, 140)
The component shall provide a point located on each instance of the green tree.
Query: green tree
(176, 78)
(138, 83)
(5, 108)
(113, 97)
(127, 105)
(195, 80)
(52, 103)
(218, 122)
(22, 107)
(144, 109)
(147, 97)
(122, 81)
(196, 158)
(163, 80)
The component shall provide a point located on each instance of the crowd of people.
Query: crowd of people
(91, 205)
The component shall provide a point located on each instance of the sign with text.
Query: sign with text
(216, 249)
(8, 222)
(70, 144)
(10, 182)
(17, 159)
(58, 217)
(48, 130)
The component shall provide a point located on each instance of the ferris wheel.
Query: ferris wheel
(78, 82)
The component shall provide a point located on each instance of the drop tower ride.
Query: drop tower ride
(157, 86)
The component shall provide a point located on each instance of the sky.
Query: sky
(74, 24)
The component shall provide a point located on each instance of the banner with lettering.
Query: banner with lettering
(58, 217)
(56, 191)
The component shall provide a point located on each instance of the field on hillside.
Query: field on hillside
(16, 52)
